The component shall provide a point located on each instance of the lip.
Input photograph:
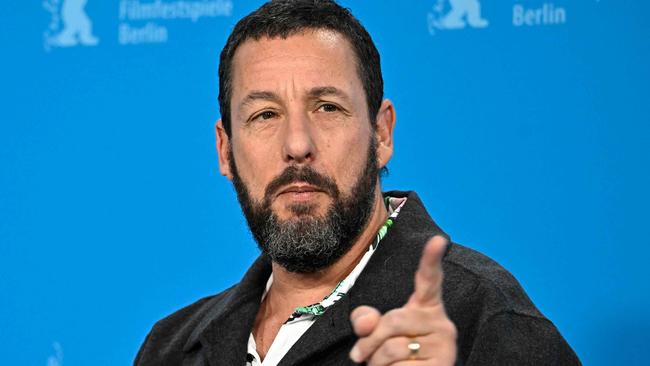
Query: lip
(300, 188)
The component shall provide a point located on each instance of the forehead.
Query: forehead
(305, 59)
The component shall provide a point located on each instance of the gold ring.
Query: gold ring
(414, 349)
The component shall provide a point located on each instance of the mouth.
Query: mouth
(300, 190)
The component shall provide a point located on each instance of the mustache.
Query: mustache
(305, 174)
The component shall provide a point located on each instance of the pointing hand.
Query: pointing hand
(419, 333)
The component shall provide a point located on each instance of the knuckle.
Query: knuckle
(369, 345)
(454, 333)
(387, 353)
(391, 320)
(397, 347)
(390, 351)
(449, 328)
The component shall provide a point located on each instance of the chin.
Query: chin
(303, 210)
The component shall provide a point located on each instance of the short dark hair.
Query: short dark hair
(283, 18)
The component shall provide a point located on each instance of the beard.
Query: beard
(307, 243)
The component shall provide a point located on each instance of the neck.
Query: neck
(290, 289)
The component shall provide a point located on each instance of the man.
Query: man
(347, 274)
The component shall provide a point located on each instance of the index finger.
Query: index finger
(428, 278)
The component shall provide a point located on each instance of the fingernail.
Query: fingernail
(355, 354)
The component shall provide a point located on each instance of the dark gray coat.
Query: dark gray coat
(496, 321)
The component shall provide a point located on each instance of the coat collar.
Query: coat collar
(224, 331)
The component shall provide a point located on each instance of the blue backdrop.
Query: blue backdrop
(523, 124)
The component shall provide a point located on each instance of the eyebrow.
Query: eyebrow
(322, 91)
(259, 95)
(313, 93)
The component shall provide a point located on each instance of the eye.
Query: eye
(328, 107)
(266, 115)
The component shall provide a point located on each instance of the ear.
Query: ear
(223, 149)
(384, 132)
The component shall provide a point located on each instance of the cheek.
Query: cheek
(349, 156)
(254, 166)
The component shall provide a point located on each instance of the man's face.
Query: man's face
(302, 150)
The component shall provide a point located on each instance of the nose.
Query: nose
(298, 141)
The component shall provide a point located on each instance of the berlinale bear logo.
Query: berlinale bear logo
(455, 14)
(69, 24)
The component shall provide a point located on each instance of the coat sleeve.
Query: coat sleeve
(509, 338)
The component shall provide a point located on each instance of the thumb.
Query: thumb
(364, 320)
